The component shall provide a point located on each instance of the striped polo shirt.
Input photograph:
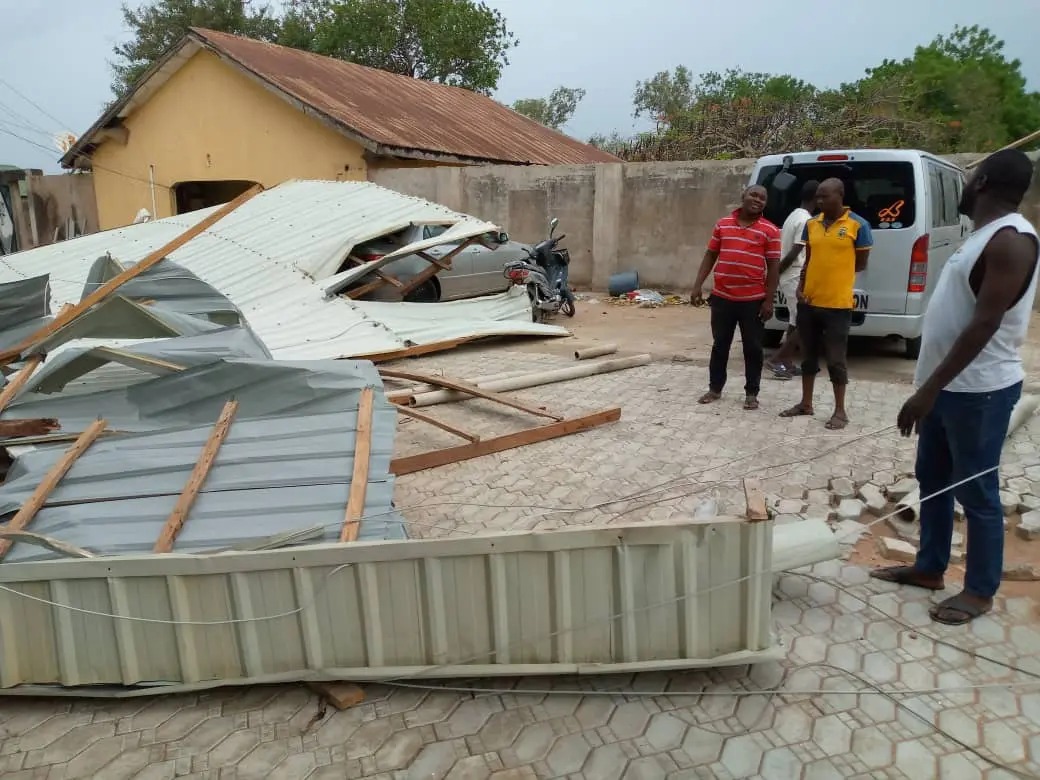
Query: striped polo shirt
(740, 271)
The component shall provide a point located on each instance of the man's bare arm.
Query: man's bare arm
(790, 258)
(862, 255)
(1010, 258)
(805, 267)
(706, 265)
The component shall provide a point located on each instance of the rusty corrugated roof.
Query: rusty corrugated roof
(402, 113)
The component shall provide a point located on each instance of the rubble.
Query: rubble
(850, 509)
(1029, 526)
(843, 487)
(901, 489)
(896, 550)
(873, 498)
(1021, 572)
(1009, 502)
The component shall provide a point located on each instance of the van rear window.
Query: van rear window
(880, 192)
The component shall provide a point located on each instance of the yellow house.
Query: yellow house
(220, 112)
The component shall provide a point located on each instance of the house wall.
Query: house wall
(51, 208)
(210, 122)
(654, 218)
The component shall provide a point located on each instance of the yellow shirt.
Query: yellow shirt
(830, 274)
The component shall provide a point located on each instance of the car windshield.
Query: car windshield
(880, 192)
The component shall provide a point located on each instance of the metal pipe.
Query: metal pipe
(534, 380)
(595, 352)
(803, 544)
(480, 381)
(151, 185)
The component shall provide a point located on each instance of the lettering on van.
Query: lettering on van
(860, 300)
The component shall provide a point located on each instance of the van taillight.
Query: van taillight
(918, 266)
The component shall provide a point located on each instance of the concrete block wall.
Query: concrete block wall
(654, 218)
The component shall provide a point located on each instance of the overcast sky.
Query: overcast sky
(56, 52)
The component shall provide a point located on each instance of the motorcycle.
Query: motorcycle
(544, 273)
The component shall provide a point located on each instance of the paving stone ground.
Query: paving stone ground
(843, 632)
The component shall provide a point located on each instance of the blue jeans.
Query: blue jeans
(963, 435)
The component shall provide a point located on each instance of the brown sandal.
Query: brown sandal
(907, 575)
(960, 609)
(709, 397)
(797, 411)
(837, 422)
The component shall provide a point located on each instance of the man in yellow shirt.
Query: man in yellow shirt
(837, 245)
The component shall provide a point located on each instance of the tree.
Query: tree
(157, 26)
(463, 43)
(963, 83)
(664, 96)
(554, 111)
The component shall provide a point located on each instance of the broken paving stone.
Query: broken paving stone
(896, 549)
(849, 531)
(1027, 503)
(793, 491)
(908, 531)
(1009, 502)
(850, 509)
(902, 489)
(1029, 526)
(875, 501)
(843, 487)
(789, 506)
(1021, 572)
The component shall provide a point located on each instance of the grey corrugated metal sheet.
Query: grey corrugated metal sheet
(618, 598)
(264, 256)
(24, 308)
(263, 388)
(270, 476)
(87, 357)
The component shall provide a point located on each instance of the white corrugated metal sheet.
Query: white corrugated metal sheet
(618, 598)
(266, 257)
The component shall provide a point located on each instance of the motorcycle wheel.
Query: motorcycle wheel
(567, 307)
(537, 315)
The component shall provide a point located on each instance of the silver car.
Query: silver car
(475, 271)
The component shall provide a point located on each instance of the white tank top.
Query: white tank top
(952, 307)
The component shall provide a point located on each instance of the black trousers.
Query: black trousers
(825, 332)
(726, 317)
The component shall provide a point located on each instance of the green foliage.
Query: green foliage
(958, 93)
(157, 26)
(554, 111)
(463, 43)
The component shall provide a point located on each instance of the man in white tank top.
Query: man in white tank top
(969, 377)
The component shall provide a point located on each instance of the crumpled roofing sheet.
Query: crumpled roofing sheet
(270, 476)
(272, 257)
(263, 389)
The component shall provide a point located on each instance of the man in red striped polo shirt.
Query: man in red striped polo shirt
(745, 252)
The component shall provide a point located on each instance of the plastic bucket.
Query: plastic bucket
(623, 283)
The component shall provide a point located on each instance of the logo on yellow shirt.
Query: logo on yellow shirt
(842, 232)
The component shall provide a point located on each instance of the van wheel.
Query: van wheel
(773, 338)
(912, 350)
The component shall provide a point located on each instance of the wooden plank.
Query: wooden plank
(389, 278)
(364, 289)
(20, 429)
(429, 460)
(434, 268)
(469, 389)
(416, 350)
(341, 695)
(362, 459)
(407, 411)
(28, 511)
(17, 382)
(66, 315)
(179, 515)
(756, 501)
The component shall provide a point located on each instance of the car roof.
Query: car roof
(863, 155)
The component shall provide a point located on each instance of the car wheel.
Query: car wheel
(912, 349)
(427, 292)
(773, 338)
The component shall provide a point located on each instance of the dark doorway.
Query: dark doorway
(195, 195)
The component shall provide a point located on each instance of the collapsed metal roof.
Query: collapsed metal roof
(271, 476)
(272, 259)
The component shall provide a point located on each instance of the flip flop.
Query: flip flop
(709, 397)
(797, 411)
(959, 610)
(905, 575)
(836, 423)
(751, 402)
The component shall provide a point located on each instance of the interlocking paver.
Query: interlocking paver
(522, 732)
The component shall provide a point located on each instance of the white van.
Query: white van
(910, 200)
